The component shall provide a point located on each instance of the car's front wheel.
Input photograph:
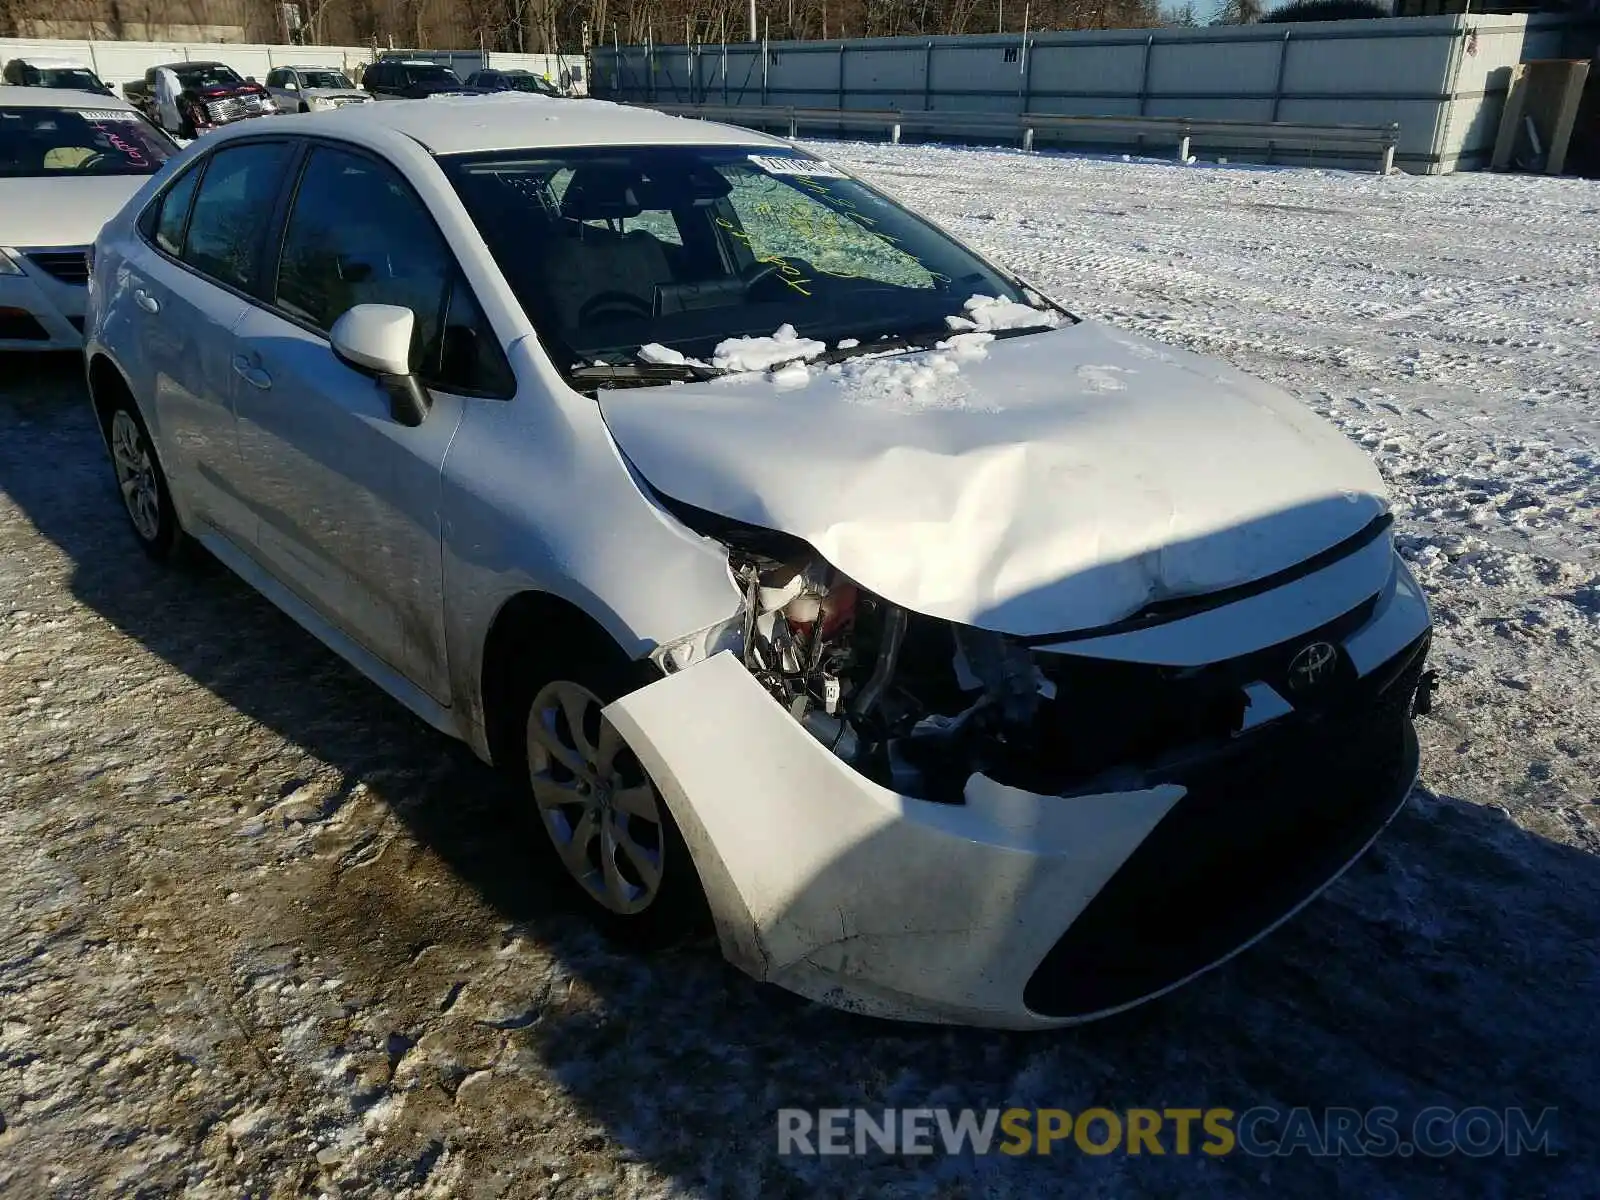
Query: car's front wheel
(143, 487)
(605, 820)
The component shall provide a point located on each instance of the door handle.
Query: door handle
(250, 373)
(146, 301)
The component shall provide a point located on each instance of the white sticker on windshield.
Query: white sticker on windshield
(107, 114)
(775, 164)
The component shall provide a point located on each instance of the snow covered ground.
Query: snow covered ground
(261, 933)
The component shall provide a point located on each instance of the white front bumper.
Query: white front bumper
(843, 891)
(50, 302)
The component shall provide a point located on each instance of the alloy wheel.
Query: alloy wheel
(136, 475)
(595, 800)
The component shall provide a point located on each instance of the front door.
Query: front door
(346, 497)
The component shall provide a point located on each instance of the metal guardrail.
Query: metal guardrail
(1180, 131)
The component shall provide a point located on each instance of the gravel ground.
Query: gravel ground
(264, 934)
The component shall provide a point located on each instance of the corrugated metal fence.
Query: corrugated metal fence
(1441, 79)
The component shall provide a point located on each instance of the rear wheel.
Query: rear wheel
(602, 815)
(142, 485)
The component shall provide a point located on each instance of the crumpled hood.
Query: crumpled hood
(61, 212)
(1043, 484)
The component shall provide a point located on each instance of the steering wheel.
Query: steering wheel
(613, 305)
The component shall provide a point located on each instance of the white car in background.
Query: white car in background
(312, 89)
(68, 162)
(961, 659)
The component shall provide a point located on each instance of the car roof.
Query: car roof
(513, 121)
(54, 64)
(190, 62)
(37, 97)
(311, 67)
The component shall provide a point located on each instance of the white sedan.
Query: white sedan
(68, 162)
(956, 658)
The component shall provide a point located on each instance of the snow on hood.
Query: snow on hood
(61, 212)
(1038, 484)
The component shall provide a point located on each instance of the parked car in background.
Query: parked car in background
(68, 162)
(410, 79)
(312, 89)
(512, 81)
(55, 73)
(211, 94)
(801, 565)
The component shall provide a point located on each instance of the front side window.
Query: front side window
(225, 228)
(610, 250)
(357, 234)
(42, 142)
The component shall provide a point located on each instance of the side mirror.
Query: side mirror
(375, 339)
(249, 78)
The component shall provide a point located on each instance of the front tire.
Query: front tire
(605, 823)
(143, 487)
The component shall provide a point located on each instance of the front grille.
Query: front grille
(1261, 827)
(234, 108)
(1108, 713)
(19, 326)
(69, 266)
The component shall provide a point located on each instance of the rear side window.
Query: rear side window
(227, 223)
(172, 212)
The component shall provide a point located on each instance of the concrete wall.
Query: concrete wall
(119, 62)
(1442, 78)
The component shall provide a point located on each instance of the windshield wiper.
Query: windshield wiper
(641, 374)
(902, 343)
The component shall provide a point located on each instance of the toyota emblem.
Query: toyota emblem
(1312, 666)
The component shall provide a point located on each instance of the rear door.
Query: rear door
(347, 498)
(189, 278)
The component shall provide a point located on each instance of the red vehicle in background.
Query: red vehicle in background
(212, 94)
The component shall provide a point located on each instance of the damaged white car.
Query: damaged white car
(961, 660)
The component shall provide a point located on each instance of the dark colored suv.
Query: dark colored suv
(410, 79)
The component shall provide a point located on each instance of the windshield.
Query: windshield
(324, 79)
(528, 83)
(684, 247)
(208, 75)
(432, 74)
(73, 141)
(75, 78)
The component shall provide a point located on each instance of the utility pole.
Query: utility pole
(752, 20)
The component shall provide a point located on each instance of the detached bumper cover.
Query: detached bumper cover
(43, 308)
(1015, 909)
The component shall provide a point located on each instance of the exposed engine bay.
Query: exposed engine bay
(917, 704)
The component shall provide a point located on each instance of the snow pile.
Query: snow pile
(764, 353)
(666, 356)
(913, 382)
(991, 312)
